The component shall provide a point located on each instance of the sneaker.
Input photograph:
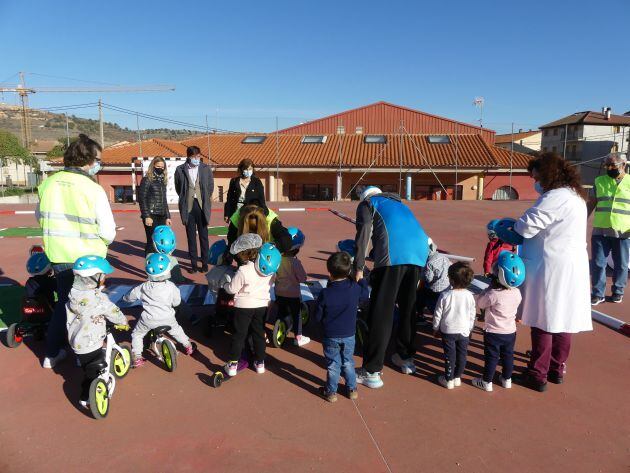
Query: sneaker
(370, 380)
(260, 366)
(406, 365)
(555, 378)
(301, 340)
(457, 382)
(446, 384)
(481, 384)
(138, 361)
(595, 300)
(195, 319)
(616, 298)
(231, 368)
(353, 394)
(330, 397)
(190, 349)
(49, 363)
(506, 383)
(83, 403)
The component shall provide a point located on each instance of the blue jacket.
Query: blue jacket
(397, 237)
(337, 307)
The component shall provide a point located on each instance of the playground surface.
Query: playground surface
(275, 422)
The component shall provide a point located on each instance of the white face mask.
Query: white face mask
(247, 173)
(195, 161)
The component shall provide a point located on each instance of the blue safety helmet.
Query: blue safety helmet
(164, 239)
(91, 265)
(510, 269)
(505, 231)
(268, 260)
(297, 237)
(490, 227)
(38, 263)
(217, 250)
(348, 246)
(157, 264)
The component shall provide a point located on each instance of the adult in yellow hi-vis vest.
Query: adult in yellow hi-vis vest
(611, 228)
(76, 221)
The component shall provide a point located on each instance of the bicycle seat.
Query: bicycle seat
(94, 369)
(161, 329)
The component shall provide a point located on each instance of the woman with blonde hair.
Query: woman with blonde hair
(152, 199)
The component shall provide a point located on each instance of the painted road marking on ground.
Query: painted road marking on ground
(293, 209)
(24, 212)
(372, 437)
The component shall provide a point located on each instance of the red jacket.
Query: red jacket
(495, 246)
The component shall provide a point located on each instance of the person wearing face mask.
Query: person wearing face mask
(76, 221)
(152, 199)
(194, 185)
(610, 199)
(555, 292)
(243, 188)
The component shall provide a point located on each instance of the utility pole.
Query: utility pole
(26, 126)
(139, 136)
(277, 161)
(100, 121)
(67, 131)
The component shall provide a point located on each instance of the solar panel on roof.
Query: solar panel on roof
(314, 139)
(254, 139)
(372, 139)
(438, 139)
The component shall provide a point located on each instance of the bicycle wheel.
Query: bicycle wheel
(14, 336)
(305, 314)
(120, 363)
(99, 398)
(169, 355)
(279, 333)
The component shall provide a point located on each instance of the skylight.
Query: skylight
(372, 139)
(314, 139)
(439, 139)
(254, 139)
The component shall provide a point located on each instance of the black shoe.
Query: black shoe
(595, 300)
(555, 378)
(616, 298)
(204, 268)
(192, 270)
(530, 382)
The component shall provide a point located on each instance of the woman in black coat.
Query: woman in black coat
(152, 199)
(243, 188)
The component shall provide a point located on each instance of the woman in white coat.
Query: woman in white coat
(556, 300)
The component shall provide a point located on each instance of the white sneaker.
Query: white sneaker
(447, 384)
(370, 380)
(481, 384)
(506, 383)
(260, 367)
(49, 363)
(231, 368)
(457, 382)
(407, 366)
(301, 340)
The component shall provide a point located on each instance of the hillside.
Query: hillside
(51, 126)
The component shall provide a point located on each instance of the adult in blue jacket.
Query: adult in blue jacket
(401, 248)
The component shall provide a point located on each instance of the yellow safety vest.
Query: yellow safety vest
(68, 217)
(270, 218)
(613, 203)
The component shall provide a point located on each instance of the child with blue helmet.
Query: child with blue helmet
(251, 286)
(41, 285)
(494, 247)
(500, 302)
(287, 289)
(86, 311)
(159, 297)
(165, 242)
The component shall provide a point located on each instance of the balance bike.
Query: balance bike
(283, 326)
(35, 317)
(219, 377)
(115, 365)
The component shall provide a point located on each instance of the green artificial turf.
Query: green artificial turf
(21, 232)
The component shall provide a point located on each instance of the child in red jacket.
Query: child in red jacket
(494, 247)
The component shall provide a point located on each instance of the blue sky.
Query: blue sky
(244, 63)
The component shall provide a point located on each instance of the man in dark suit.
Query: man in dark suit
(194, 185)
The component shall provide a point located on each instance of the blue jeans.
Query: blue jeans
(338, 353)
(601, 247)
(498, 346)
(57, 334)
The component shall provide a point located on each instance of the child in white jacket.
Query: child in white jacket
(454, 319)
(86, 311)
(159, 297)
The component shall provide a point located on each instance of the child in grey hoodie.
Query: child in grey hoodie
(159, 297)
(86, 311)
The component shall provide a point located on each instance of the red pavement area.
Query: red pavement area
(163, 421)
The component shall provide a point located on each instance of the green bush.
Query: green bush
(10, 191)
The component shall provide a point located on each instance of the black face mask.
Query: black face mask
(614, 173)
(158, 171)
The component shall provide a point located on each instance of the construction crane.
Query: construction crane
(24, 92)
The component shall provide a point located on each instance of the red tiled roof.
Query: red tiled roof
(124, 153)
(505, 157)
(589, 118)
(509, 137)
(386, 118)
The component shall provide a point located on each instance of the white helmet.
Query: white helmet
(369, 191)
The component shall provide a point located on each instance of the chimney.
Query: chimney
(359, 130)
(520, 130)
(341, 130)
(606, 112)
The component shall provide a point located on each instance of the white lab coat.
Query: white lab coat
(556, 292)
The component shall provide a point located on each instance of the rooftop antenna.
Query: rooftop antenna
(478, 102)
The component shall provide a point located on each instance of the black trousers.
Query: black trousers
(196, 223)
(85, 360)
(390, 286)
(455, 352)
(498, 347)
(246, 322)
(157, 220)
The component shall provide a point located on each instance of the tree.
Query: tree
(10, 149)
(60, 148)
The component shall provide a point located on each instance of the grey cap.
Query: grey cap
(247, 241)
